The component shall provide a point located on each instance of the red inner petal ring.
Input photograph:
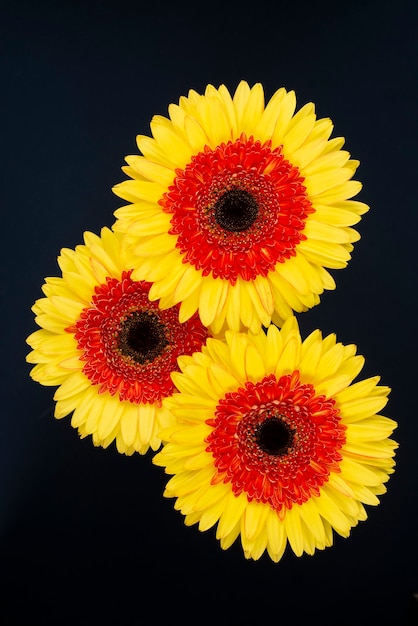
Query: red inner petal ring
(237, 210)
(129, 346)
(276, 440)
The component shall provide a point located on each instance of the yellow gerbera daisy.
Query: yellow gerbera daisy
(237, 207)
(107, 347)
(274, 442)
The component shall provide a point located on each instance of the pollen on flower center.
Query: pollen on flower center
(274, 436)
(236, 210)
(142, 337)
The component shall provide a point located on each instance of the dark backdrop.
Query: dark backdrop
(85, 535)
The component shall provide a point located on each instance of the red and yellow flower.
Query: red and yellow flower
(274, 442)
(107, 347)
(238, 209)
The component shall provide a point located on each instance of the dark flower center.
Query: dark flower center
(274, 436)
(236, 210)
(142, 337)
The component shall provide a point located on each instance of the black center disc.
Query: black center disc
(236, 210)
(274, 436)
(142, 337)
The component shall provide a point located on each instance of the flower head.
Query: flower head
(273, 441)
(238, 209)
(108, 348)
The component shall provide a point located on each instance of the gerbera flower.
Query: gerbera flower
(107, 347)
(274, 442)
(237, 208)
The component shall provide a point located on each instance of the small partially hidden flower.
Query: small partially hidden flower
(238, 209)
(107, 347)
(274, 442)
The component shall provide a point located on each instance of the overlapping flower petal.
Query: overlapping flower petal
(176, 331)
(107, 347)
(238, 208)
(274, 442)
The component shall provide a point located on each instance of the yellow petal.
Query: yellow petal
(253, 363)
(232, 513)
(327, 161)
(329, 510)
(358, 473)
(170, 142)
(146, 422)
(331, 255)
(362, 389)
(197, 461)
(188, 283)
(293, 273)
(250, 116)
(268, 119)
(297, 134)
(289, 357)
(294, 530)
(189, 306)
(156, 246)
(287, 109)
(211, 515)
(276, 536)
(71, 362)
(310, 516)
(234, 306)
(191, 435)
(213, 294)
(359, 409)
(152, 171)
(335, 216)
(371, 430)
(134, 190)
(326, 232)
(221, 379)
(196, 135)
(109, 417)
(129, 426)
(253, 519)
(210, 494)
(265, 294)
(240, 100)
(274, 346)
(84, 407)
(76, 383)
(154, 152)
(214, 121)
(339, 192)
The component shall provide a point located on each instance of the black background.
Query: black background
(86, 536)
